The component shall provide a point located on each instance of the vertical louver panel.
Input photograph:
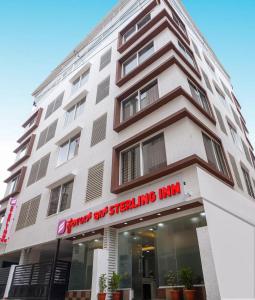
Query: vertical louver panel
(236, 118)
(54, 105)
(105, 59)
(103, 89)
(99, 130)
(246, 151)
(236, 172)
(220, 120)
(95, 182)
(28, 213)
(38, 169)
(196, 49)
(43, 166)
(33, 173)
(51, 131)
(42, 138)
(207, 81)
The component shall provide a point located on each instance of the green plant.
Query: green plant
(171, 278)
(102, 283)
(115, 282)
(186, 278)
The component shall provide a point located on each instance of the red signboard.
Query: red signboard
(66, 226)
(8, 221)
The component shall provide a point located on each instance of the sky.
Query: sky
(36, 35)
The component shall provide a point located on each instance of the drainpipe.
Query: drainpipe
(51, 284)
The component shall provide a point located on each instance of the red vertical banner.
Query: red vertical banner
(8, 221)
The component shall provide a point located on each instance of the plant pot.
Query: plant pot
(175, 294)
(189, 294)
(101, 296)
(116, 295)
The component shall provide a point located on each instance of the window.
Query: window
(246, 151)
(28, 213)
(236, 172)
(139, 100)
(178, 21)
(69, 149)
(38, 169)
(103, 89)
(220, 120)
(138, 58)
(143, 158)
(60, 198)
(207, 81)
(136, 27)
(210, 65)
(248, 182)
(214, 154)
(105, 59)
(196, 49)
(189, 56)
(235, 136)
(47, 134)
(236, 118)
(227, 91)
(80, 81)
(22, 152)
(74, 112)
(221, 94)
(200, 97)
(12, 185)
(31, 123)
(54, 105)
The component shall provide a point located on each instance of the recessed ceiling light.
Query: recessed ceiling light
(151, 229)
(74, 237)
(141, 219)
(178, 208)
(80, 244)
(202, 214)
(96, 240)
(93, 231)
(125, 223)
(159, 214)
(160, 224)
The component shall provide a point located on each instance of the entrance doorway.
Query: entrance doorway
(146, 255)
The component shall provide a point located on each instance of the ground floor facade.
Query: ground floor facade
(190, 220)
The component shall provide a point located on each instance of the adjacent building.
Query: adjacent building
(136, 159)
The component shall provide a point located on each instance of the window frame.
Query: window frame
(187, 52)
(235, 137)
(136, 28)
(138, 92)
(141, 156)
(69, 141)
(247, 180)
(79, 83)
(77, 105)
(61, 186)
(135, 56)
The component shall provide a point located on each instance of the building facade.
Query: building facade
(136, 159)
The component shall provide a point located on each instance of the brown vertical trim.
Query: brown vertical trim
(38, 116)
(181, 114)
(158, 54)
(29, 142)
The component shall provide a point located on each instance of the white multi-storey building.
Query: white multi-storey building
(136, 159)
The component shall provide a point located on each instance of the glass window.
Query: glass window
(248, 182)
(60, 198)
(74, 112)
(148, 254)
(200, 97)
(140, 100)
(80, 81)
(154, 154)
(145, 53)
(179, 22)
(143, 158)
(187, 54)
(22, 152)
(82, 264)
(130, 64)
(130, 107)
(69, 149)
(12, 185)
(235, 137)
(215, 154)
(130, 160)
(136, 27)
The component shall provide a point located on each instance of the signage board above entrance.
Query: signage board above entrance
(67, 226)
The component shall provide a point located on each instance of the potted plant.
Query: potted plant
(102, 286)
(114, 285)
(186, 277)
(171, 280)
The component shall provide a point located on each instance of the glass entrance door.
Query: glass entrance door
(147, 255)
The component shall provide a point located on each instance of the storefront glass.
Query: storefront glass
(82, 264)
(146, 255)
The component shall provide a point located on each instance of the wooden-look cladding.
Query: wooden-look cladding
(116, 187)
(179, 91)
(37, 115)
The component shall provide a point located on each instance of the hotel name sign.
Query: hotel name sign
(149, 198)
